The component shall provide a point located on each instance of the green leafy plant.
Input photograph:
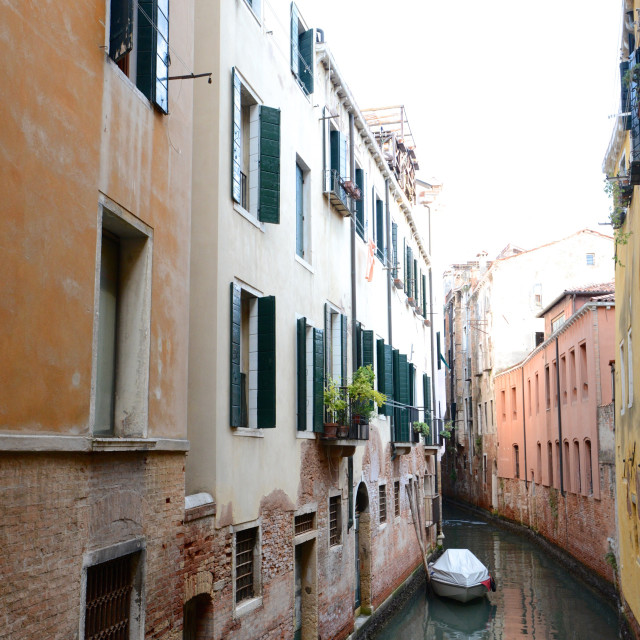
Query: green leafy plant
(610, 559)
(631, 76)
(620, 194)
(421, 427)
(479, 444)
(362, 394)
(447, 430)
(334, 402)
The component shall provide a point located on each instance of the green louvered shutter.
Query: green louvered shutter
(424, 296)
(327, 339)
(294, 38)
(152, 63)
(381, 374)
(426, 392)
(358, 341)
(302, 373)
(367, 348)
(439, 356)
(403, 432)
(404, 267)
(360, 203)
(396, 394)
(305, 61)
(318, 380)
(394, 245)
(380, 229)
(388, 377)
(269, 176)
(409, 272)
(625, 106)
(236, 141)
(121, 29)
(343, 349)
(266, 362)
(235, 392)
(414, 274)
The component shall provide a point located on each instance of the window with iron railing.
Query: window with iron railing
(396, 499)
(382, 502)
(335, 518)
(304, 523)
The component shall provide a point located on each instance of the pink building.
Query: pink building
(555, 428)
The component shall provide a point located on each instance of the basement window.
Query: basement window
(247, 564)
(335, 521)
(382, 502)
(396, 499)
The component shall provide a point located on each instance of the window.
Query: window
(486, 417)
(123, 325)
(591, 259)
(491, 403)
(529, 396)
(382, 502)
(255, 178)
(623, 383)
(576, 467)
(539, 461)
(484, 468)
(335, 521)
(396, 499)
(514, 404)
(394, 250)
(401, 394)
(573, 385)
(360, 204)
(539, 338)
(426, 393)
(563, 378)
(380, 244)
(335, 331)
(301, 51)
(555, 382)
(335, 166)
(503, 404)
(557, 466)
(302, 210)
(139, 45)
(566, 467)
(537, 295)
(252, 359)
(550, 463)
(516, 460)
(584, 374)
(588, 466)
(630, 370)
(310, 369)
(304, 523)
(247, 564)
(537, 392)
(385, 374)
(479, 414)
(557, 322)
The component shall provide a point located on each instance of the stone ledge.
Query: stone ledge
(36, 443)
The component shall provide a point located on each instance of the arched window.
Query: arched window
(588, 466)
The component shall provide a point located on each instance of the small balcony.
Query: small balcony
(341, 192)
(351, 429)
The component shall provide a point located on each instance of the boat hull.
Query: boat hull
(458, 592)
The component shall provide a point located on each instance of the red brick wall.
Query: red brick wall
(56, 507)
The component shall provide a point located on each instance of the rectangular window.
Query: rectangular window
(486, 417)
(382, 502)
(557, 322)
(385, 375)
(539, 465)
(516, 460)
(503, 405)
(109, 608)
(335, 521)
(252, 360)
(529, 396)
(550, 463)
(591, 259)
(310, 370)
(554, 382)
(547, 387)
(394, 251)
(139, 45)
(576, 466)
(302, 45)
(491, 404)
(335, 345)
(514, 405)
(304, 523)
(573, 385)
(484, 468)
(255, 177)
(396, 499)
(479, 417)
(247, 563)
(360, 204)
(299, 211)
(123, 325)
(566, 467)
(623, 382)
(380, 244)
(563, 378)
(336, 169)
(588, 466)
(584, 374)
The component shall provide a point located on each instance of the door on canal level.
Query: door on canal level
(362, 548)
(306, 600)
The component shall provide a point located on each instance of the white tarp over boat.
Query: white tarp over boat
(460, 567)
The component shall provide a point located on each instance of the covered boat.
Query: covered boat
(458, 574)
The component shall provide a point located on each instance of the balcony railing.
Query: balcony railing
(338, 191)
(352, 418)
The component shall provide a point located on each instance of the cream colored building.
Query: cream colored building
(303, 219)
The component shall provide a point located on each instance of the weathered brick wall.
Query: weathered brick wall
(56, 507)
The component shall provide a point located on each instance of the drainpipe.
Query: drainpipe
(352, 173)
(389, 285)
(560, 443)
(524, 433)
(431, 323)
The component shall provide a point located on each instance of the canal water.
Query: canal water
(535, 598)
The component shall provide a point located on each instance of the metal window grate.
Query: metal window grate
(245, 544)
(396, 498)
(334, 520)
(382, 502)
(109, 600)
(304, 523)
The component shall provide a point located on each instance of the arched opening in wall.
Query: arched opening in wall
(549, 464)
(198, 618)
(588, 466)
(576, 467)
(494, 485)
(363, 550)
(566, 467)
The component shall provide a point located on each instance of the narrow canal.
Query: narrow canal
(535, 597)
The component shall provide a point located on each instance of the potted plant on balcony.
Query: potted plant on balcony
(362, 395)
(445, 434)
(335, 406)
(421, 428)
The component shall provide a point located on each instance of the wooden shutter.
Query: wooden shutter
(343, 349)
(439, 357)
(625, 105)
(266, 362)
(269, 176)
(367, 348)
(302, 373)
(409, 272)
(414, 275)
(161, 93)
(358, 341)
(360, 204)
(394, 253)
(235, 392)
(327, 339)
(380, 229)
(152, 63)
(405, 278)
(121, 29)
(426, 391)
(305, 59)
(385, 374)
(318, 380)
(424, 296)
(339, 153)
(402, 429)
(294, 38)
(236, 139)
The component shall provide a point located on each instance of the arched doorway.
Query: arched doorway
(198, 618)
(363, 550)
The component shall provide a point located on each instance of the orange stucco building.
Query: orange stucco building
(95, 173)
(554, 416)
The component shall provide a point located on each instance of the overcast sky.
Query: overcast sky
(509, 103)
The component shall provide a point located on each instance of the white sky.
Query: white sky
(508, 102)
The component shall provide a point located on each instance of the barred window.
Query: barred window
(304, 522)
(245, 547)
(335, 523)
(382, 502)
(396, 498)
(108, 599)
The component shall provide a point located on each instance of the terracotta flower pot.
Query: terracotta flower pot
(330, 429)
(343, 431)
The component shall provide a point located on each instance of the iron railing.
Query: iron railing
(335, 189)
